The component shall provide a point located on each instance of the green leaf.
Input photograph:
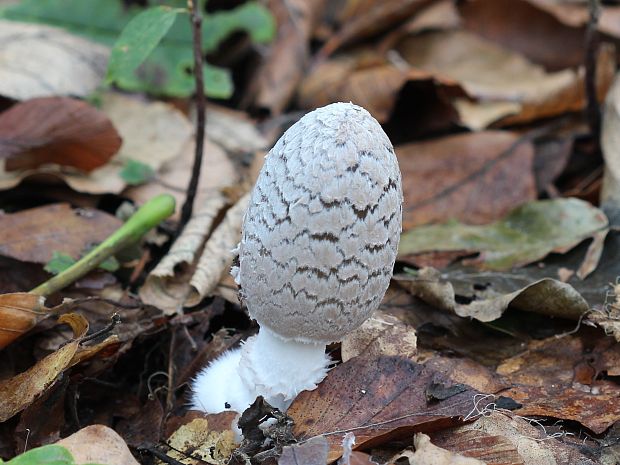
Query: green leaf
(60, 261)
(527, 234)
(167, 69)
(139, 38)
(135, 172)
(46, 455)
(110, 264)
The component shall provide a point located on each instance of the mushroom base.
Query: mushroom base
(266, 365)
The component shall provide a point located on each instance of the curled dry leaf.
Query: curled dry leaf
(546, 296)
(167, 286)
(41, 61)
(456, 177)
(57, 130)
(277, 78)
(217, 256)
(34, 235)
(378, 399)
(610, 145)
(98, 444)
(18, 392)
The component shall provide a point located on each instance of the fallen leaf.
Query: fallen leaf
(205, 445)
(19, 312)
(456, 177)
(276, 79)
(164, 139)
(234, 131)
(502, 438)
(525, 29)
(546, 296)
(377, 398)
(311, 452)
(381, 334)
(58, 130)
(98, 444)
(33, 235)
(18, 392)
(217, 256)
(525, 235)
(556, 377)
(41, 61)
(505, 86)
(427, 453)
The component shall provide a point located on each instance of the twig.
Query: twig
(192, 188)
(116, 319)
(593, 110)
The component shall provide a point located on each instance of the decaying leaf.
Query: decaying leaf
(377, 398)
(98, 444)
(381, 334)
(526, 235)
(217, 255)
(557, 377)
(206, 445)
(502, 438)
(546, 296)
(41, 61)
(312, 452)
(610, 145)
(57, 130)
(33, 235)
(456, 177)
(18, 392)
(426, 453)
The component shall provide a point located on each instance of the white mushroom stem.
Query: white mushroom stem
(267, 365)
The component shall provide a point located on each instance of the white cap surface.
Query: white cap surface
(321, 233)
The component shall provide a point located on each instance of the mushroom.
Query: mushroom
(318, 245)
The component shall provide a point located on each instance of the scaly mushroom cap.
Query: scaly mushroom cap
(321, 233)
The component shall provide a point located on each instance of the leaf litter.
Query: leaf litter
(476, 360)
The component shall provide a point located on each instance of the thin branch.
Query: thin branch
(593, 110)
(192, 188)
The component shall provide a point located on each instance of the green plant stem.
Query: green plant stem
(148, 216)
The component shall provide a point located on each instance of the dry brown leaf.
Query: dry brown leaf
(19, 312)
(427, 453)
(166, 136)
(33, 235)
(455, 177)
(18, 392)
(58, 130)
(525, 30)
(312, 452)
(508, 87)
(41, 61)
(276, 80)
(556, 377)
(234, 131)
(381, 334)
(98, 444)
(505, 439)
(217, 255)
(206, 445)
(378, 399)
(577, 14)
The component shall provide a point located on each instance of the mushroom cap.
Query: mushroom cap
(321, 232)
